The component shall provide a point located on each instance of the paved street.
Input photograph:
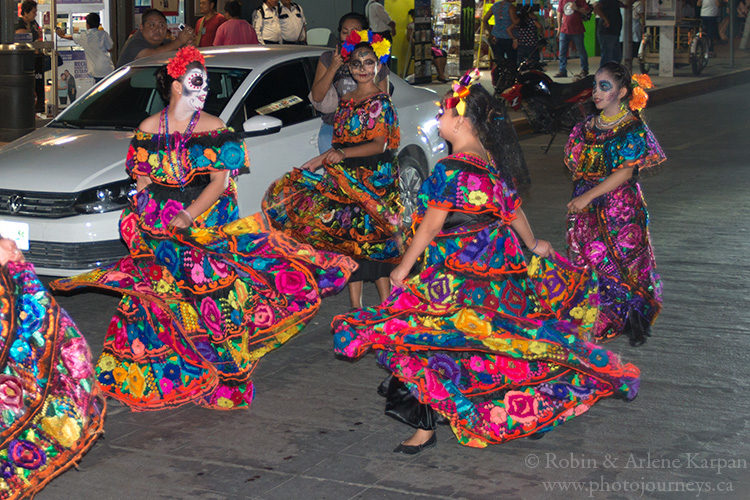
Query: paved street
(316, 428)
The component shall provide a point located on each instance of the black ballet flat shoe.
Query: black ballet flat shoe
(413, 450)
(536, 436)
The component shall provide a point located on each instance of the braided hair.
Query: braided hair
(495, 132)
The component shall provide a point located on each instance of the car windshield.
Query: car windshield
(127, 97)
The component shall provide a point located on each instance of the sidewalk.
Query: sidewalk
(717, 75)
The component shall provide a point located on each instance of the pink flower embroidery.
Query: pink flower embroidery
(138, 348)
(521, 407)
(263, 316)
(166, 385)
(498, 415)
(514, 369)
(595, 252)
(289, 282)
(473, 182)
(211, 315)
(406, 300)
(375, 109)
(629, 236)
(220, 267)
(11, 393)
(394, 326)
(476, 363)
(171, 207)
(435, 388)
(77, 358)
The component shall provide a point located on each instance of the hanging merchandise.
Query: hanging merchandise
(421, 45)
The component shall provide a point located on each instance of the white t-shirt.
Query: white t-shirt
(266, 24)
(292, 23)
(710, 8)
(378, 17)
(96, 44)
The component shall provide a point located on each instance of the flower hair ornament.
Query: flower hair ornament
(461, 90)
(380, 45)
(638, 100)
(177, 66)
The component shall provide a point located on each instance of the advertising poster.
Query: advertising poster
(73, 77)
(466, 54)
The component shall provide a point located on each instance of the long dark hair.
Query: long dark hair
(164, 80)
(493, 127)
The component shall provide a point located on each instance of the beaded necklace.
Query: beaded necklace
(606, 122)
(180, 170)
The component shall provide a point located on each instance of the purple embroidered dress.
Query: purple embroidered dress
(611, 235)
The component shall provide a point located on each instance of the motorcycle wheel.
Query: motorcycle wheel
(699, 55)
(537, 111)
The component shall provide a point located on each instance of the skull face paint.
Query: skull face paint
(195, 88)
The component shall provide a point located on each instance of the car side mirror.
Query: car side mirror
(261, 125)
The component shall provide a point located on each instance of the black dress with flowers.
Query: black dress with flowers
(351, 207)
(201, 306)
(611, 234)
(51, 410)
(497, 347)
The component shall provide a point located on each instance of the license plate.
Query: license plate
(16, 231)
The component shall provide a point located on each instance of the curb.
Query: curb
(672, 93)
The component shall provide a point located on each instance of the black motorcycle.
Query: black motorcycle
(550, 106)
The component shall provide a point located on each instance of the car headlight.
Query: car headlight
(428, 134)
(106, 198)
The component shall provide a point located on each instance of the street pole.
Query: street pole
(732, 14)
(627, 36)
(8, 15)
(52, 25)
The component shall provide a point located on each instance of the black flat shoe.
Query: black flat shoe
(536, 436)
(413, 450)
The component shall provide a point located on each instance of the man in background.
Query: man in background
(205, 28)
(570, 29)
(266, 22)
(380, 22)
(151, 38)
(292, 22)
(96, 44)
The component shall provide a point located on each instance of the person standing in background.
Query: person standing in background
(235, 31)
(504, 43)
(570, 29)
(205, 28)
(380, 22)
(26, 24)
(266, 22)
(152, 38)
(293, 23)
(710, 18)
(609, 26)
(72, 89)
(96, 44)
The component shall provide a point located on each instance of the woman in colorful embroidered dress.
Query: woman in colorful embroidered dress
(477, 337)
(206, 294)
(52, 410)
(352, 207)
(608, 219)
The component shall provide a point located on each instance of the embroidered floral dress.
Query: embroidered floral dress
(351, 207)
(495, 346)
(201, 306)
(611, 235)
(51, 410)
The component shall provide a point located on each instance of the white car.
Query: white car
(63, 186)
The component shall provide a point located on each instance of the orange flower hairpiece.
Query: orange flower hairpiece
(178, 64)
(640, 97)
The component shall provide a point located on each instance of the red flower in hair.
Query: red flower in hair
(178, 64)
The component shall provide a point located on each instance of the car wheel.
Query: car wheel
(411, 175)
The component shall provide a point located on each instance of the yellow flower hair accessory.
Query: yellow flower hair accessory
(380, 45)
(461, 90)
